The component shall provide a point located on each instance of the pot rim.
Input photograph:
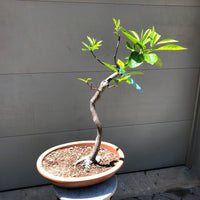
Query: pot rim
(49, 176)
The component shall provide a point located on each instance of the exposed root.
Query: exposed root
(87, 162)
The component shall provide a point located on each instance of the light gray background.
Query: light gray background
(43, 104)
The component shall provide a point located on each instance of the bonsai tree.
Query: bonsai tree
(142, 49)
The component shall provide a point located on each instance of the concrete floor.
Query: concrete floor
(175, 183)
(174, 194)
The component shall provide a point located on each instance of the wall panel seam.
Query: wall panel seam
(98, 71)
(104, 127)
(193, 3)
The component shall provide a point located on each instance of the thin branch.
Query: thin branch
(115, 85)
(116, 51)
(112, 76)
(101, 62)
(91, 87)
(97, 58)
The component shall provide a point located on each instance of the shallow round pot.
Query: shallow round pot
(81, 181)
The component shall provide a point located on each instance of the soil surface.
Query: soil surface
(60, 162)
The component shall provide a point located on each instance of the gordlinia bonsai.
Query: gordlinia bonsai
(141, 48)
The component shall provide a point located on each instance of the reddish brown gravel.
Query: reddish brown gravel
(60, 162)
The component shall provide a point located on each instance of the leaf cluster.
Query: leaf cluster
(117, 26)
(94, 45)
(142, 48)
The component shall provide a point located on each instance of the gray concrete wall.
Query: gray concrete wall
(42, 103)
(195, 162)
(194, 153)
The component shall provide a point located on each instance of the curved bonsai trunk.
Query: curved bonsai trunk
(95, 118)
(103, 85)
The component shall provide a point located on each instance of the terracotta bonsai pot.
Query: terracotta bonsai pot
(81, 181)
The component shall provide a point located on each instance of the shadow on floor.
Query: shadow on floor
(175, 183)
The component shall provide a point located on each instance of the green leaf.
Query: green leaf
(115, 22)
(135, 73)
(156, 38)
(150, 58)
(166, 41)
(135, 34)
(159, 62)
(170, 47)
(94, 41)
(130, 37)
(126, 63)
(153, 29)
(85, 81)
(146, 35)
(117, 25)
(129, 82)
(89, 79)
(99, 42)
(135, 59)
(110, 66)
(141, 35)
(84, 49)
(121, 64)
(115, 80)
(128, 46)
(95, 48)
(90, 40)
(123, 79)
(85, 44)
(151, 36)
(97, 45)
(146, 41)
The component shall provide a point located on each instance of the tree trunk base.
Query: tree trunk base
(87, 162)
